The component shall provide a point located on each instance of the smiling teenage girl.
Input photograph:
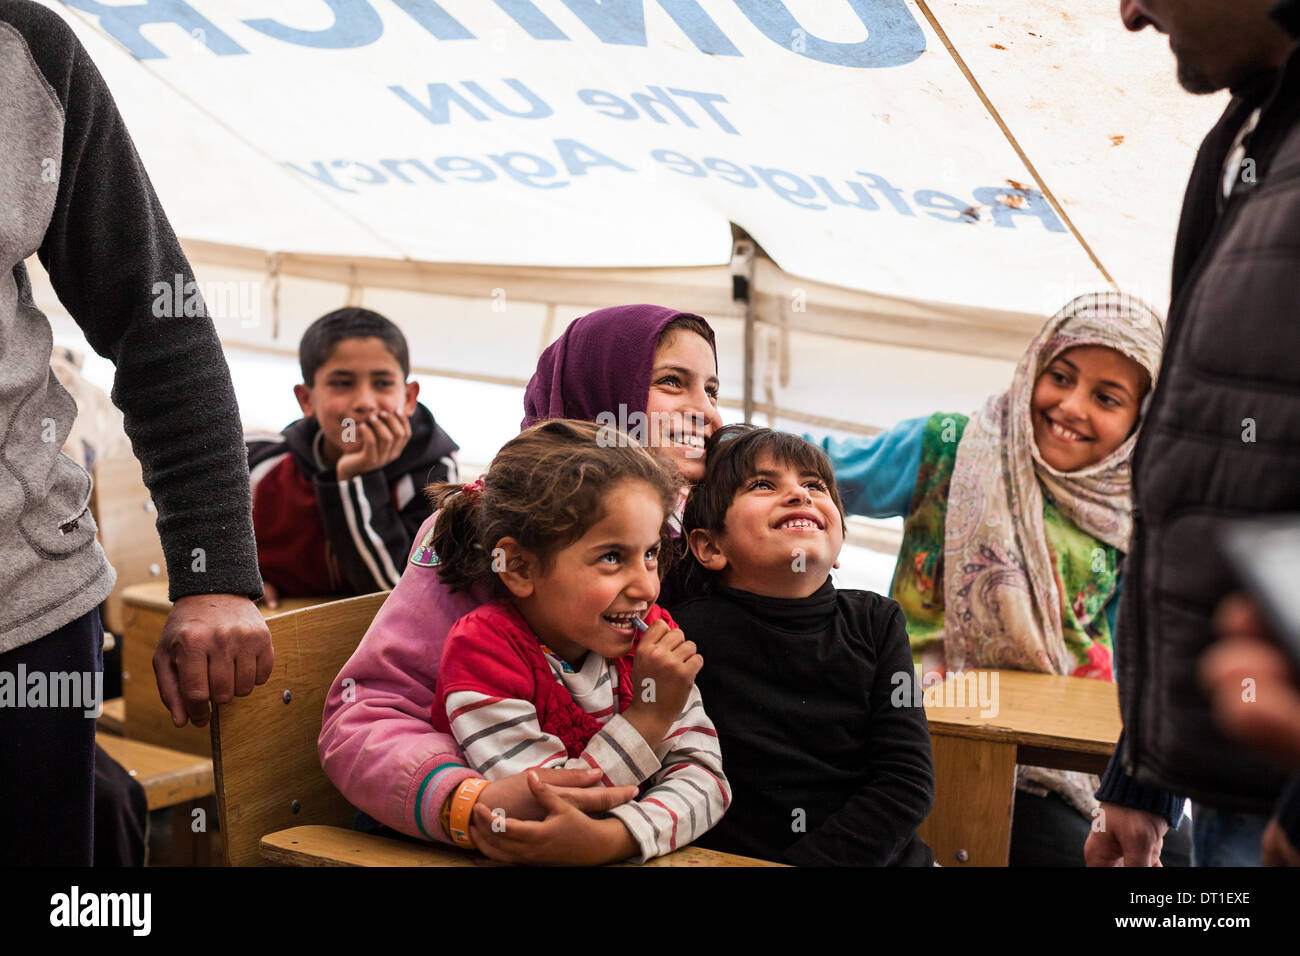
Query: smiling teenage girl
(1017, 517)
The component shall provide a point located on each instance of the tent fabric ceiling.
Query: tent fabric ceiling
(937, 152)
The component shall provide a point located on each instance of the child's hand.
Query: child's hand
(566, 837)
(382, 439)
(580, 788)
(663, 673)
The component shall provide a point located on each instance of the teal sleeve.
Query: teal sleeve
(876, 475)
(1112, 605)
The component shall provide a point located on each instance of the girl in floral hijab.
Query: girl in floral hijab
(1017, 517)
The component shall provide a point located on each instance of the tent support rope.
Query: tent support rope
(1015, 145)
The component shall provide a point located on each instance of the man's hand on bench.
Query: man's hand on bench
(214, 647)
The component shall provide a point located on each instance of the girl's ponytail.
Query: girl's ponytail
(456, 533)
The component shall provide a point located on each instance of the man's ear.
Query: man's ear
(303, 394)
(515, 567)
(412, 396)
(706, 550)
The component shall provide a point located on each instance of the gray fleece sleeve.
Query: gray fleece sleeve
(109, 251)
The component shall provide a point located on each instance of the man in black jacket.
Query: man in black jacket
(1221, 436)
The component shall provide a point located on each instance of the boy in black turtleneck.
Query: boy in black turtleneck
(825, 770)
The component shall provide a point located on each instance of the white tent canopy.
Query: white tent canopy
(928, 178)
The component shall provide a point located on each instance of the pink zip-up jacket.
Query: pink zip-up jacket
(377, 744)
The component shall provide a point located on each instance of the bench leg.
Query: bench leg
(974, 794)
(188, 847)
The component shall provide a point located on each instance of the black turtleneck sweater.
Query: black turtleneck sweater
(824, 769)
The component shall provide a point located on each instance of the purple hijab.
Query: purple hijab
(602, 360)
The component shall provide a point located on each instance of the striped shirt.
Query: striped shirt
(683, 789)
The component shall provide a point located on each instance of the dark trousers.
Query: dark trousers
(1047, 831)
(121, 815)
(47, 753)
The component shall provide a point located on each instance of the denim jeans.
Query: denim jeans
(1224, 837)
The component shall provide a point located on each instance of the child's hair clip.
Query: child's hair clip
(473, 490)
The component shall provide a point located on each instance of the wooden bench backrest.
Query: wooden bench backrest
(128, 531)
(264, 747)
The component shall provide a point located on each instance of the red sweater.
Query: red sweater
(492, 651)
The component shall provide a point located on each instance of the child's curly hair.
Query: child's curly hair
(544, 488)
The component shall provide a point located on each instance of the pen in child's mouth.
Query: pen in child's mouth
(639, 624)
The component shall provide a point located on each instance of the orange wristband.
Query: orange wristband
(462, 802)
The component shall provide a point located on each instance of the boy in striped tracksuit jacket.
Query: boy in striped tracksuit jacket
(338, 495)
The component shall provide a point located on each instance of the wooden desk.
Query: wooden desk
(1041, 720)
(145, 609)
(113, 719)
(335, 846)
(168, 777)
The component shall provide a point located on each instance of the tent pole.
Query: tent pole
(742, 276)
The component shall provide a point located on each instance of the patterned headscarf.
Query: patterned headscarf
(1001, 603)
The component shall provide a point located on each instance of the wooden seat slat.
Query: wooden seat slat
(335, 846)
(169, 777)
(113, 719)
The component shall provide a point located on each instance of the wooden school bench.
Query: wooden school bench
(144, 611)
(275, 802)
(138, 606)
(172, 764)
(1042, 720)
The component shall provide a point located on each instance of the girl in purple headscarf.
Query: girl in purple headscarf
(643, 370)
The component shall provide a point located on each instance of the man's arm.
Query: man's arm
(115, 264)
(1134, 819)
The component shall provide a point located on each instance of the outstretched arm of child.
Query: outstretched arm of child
(877, 474)
(877, 822)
